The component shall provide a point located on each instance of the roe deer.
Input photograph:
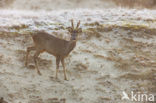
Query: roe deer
(44, 42)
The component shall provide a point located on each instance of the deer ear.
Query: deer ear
(79, 30)
(70, 29)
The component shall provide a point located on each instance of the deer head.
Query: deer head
(74, 31)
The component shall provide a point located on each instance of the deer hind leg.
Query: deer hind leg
(57, 65)
(35, 60)
(64, 69)
(27, 54)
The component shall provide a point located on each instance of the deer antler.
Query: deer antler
(78, 24)
(72, 23)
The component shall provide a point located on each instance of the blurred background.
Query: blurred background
(70, 4)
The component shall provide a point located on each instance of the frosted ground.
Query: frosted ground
(116, 52)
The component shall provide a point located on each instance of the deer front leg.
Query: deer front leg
(57, 65)
(35, 60)
(64, 69)
(27, 54)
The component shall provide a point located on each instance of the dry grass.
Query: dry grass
(92, 32)
(81, 67)
(136, 3)
(99, 56)
(19, 27)
(148, 75)
(5, 3)
(86, 51)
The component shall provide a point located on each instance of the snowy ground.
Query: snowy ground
(116, 52)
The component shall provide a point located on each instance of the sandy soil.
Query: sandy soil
(115, 53)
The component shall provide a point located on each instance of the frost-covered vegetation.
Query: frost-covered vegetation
(136, 3)
(115, 53)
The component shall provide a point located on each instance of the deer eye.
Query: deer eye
(75, 31)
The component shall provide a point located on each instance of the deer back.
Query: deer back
(53, 45)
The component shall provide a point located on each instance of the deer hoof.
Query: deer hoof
(39, 73)
(66, 79)
(26, 64)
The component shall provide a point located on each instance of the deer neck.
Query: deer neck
(73, 43)
(71, 46)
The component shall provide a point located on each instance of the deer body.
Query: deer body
(53, 45)
(44, 42)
